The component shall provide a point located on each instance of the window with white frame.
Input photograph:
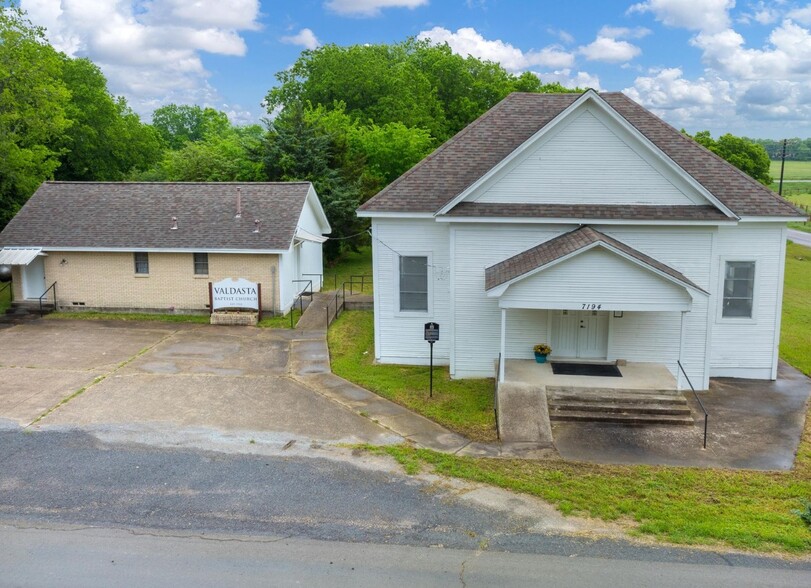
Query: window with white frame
(201, 264)
(141, 263)
(413, 283)
(739, 289)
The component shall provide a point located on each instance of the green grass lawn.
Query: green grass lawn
(795, 170)
(350, 264)
(464, 406)
(691, 506)
(795, 336)
(5, 296)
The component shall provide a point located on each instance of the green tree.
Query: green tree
(298, 150)
(106, 140)
(179, 124)
(744, 154)
(33, 102)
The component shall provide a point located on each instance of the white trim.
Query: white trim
(313, 199)
(302, 235)
(499, 290)
(167, 250)
(429, 255)
(373, 214)
(376, 292)
(452, 301)
(781, 274)
(709, 319)
(589, 96)
(681, 352)
(503, 345)
(719, 305)
(583, 221)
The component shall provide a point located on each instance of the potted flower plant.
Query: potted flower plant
(541, 351)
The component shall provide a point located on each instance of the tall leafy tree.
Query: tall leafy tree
(33, 103)
(744, 154)
(106, 140)
(179, 124)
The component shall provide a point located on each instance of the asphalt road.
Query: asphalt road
(271, 508)
(800, 237)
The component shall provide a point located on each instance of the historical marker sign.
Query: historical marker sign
(234, 293)
(432, 332)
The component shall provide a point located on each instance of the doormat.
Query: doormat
(585, 369)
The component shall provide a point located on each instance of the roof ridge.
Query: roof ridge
(132, 183)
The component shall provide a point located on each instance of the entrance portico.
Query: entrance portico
(584, 280)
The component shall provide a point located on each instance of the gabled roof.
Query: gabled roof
(138, 215)
(473, 152)
(570, 243)
(589, 211)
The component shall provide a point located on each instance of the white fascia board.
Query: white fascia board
(374, 214)
(591, 95)
(773, 219)
(646, 307)
(502, 288)
(166, 250)
(579, 221)
(312, 197)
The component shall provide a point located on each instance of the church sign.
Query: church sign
(234, 293)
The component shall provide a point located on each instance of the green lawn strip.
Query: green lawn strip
(795, 336)
(279, 321)
(740, 509)
(92, 315)
(348, 265)
(795, 170)
(5, 297)
(464, 406)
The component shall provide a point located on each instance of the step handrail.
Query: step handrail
(701, 404)
(51, 287)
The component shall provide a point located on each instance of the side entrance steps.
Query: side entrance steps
(621, 406)
(22, 311)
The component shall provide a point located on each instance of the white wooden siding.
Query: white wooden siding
(586, 162)
(477, 318)
(312, 261)
(399, 336)
(741, 347)
(596, 277)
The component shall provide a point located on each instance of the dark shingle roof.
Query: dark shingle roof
(139, 215)
(589, 211)
(470, 154)
(570, 242)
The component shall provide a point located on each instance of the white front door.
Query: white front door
(34, 278)
(580, 334)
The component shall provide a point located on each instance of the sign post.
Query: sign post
(432, 336)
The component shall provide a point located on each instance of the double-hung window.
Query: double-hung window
(413, 283)
(201, 264)
(739, 289)
(141, 263)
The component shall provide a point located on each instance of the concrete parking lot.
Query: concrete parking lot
(73, 372)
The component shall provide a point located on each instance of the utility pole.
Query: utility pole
(782, 167)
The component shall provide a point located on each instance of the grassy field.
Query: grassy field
(795, 170)
(795, 336)
(691, 506)
(464, 406)
(350, 264)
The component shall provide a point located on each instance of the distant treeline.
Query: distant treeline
(796, 149)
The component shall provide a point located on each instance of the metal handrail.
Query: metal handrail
(299, 298)
(701, 404)
(352, 282)
(320, 279)
(495, 396)
(51, 287)
(338, 307)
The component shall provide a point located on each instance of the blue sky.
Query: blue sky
(724, 65)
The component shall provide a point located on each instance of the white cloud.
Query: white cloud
(467, 41)
(370, 7)
(624, 32)
(568, 79)
(707, 15)
(305, 38)
(801, 15)
(149, 50)
(609, 50)
(564, 36)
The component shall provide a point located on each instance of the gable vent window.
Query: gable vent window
(413, 283)
(739, 289)
(141, 263)
(201, 264)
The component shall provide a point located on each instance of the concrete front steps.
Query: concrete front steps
(627, 407)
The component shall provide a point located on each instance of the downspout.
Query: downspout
(681, 352)
(503, 349)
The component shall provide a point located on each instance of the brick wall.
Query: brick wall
(108, 280)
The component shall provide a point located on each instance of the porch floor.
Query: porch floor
(635, 376)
